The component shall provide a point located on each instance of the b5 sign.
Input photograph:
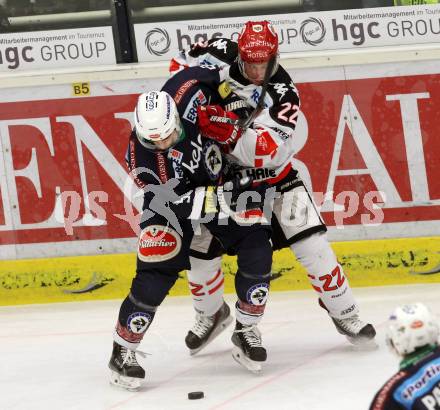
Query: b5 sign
(360, 136)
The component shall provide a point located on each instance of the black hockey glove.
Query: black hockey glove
(237, 105)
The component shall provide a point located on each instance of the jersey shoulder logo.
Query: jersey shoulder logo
(197, 99)
(280, 88)
(220, 44)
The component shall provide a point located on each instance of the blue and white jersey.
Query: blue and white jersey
(416, 387)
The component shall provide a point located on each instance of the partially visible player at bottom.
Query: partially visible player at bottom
(413, 334)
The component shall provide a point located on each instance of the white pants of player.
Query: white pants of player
(314, 253)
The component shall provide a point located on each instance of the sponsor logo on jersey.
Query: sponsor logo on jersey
(383, 394)
(178, 171)
(257, 294)
(283, 135)
(176, 158)
(196, 155)
(161, 165)
(138, 322)
(420, 383)
(175, 155)
(197, 99)
(183, 89)
(255, 95)
(257, 174)
(212, 160)
(133, 165)
(158, 243)
(265, 144)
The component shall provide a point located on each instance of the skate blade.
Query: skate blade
(241, 358)
(125, 382)
(219, 329)
(362, 343)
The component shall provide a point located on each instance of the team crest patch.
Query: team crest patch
(212, 160)
(158, 243)
(138, 322)
(257, 294)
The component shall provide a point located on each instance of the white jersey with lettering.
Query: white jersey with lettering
(269, 143)
(265, 152)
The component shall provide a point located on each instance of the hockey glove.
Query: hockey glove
(236, 105)
(219, 125)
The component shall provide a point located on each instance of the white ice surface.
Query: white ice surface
(55, 357)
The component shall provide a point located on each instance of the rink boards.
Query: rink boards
(366, 263)
(367, 146)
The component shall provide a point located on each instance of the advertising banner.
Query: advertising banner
(367, 147)
(57, 48)
(94, 277)
(299, 32)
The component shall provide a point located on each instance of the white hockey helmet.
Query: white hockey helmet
(155, 118)
(410, 327)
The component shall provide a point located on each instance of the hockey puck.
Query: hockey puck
(195, 395)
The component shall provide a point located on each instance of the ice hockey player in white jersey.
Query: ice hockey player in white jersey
(265, 151)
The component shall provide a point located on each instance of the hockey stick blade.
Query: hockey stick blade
(244, 124)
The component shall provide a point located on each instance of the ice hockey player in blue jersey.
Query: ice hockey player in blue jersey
(180, 174)
(412, 333)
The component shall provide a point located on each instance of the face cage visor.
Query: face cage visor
(243, 71)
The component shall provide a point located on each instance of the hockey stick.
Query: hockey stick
(244, 123)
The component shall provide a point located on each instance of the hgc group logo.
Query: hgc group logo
(312, 31)
(157, 41)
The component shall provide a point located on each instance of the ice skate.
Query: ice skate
(207, 328)
(356, 331)
(248, 350)
(125, 370)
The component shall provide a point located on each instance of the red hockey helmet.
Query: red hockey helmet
(257, 44)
